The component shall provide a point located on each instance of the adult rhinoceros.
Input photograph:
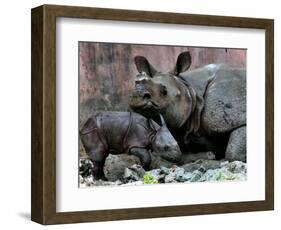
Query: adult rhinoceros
(205, 108)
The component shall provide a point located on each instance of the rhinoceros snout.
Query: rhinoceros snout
(146, 95)
(141, 92)
(173, 155)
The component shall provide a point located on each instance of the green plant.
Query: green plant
(148, 178)
(222, 177)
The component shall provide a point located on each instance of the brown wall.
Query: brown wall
(107, 71)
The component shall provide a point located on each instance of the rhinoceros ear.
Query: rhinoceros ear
(153, 125)
(88, 126)
(183, 63)
(143, 65)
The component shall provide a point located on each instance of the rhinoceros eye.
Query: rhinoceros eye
(163, 90)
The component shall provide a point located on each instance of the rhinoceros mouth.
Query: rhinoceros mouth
(143, 103)
(150, 104)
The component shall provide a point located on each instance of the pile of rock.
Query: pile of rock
(126, 170)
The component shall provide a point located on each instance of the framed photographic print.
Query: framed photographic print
(140, 114)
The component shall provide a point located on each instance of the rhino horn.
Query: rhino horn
(143, 65)
(183, 63)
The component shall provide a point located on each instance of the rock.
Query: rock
(159, 174)
(201, 165)
(90, 182)
(228, 171)
(210, 175)
(134, 173)
(164, 170)
(161, 178)
(175, 175)
(130, 176)
(170, 178)
(196, 176)
(211, 164)
(85, 167)
(188, 176)
(138, 169)
(225, 175)
(126, 170)
(179, 174)
(156, 172)
(115, 165)
(237, 167)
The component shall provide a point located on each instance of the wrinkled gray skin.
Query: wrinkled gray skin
(126, 132)
(205, 108)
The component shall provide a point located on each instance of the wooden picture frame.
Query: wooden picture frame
(43, 186)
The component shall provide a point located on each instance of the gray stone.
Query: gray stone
(164, 170)
(188, 177)
(210, 175)
(130, 175)
(211, 164)
(227, 172)
(155, 172)
(202, 165)
(161, 178)
(115, 165)
(138, 169)
(85, 167)
(133, 173)
(159, 174)
(196, 176)
(170, 178)
(126, 170)
(176, 175)
(237, 167)
(179, 174)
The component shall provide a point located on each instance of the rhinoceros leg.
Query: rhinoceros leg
(98, 170)
(191, 157)
(98, 159)
(236, 147)
(143, 155)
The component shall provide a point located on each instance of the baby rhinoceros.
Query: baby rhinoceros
(126, 132)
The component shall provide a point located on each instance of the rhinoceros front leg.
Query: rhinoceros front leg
(98, 159)
(191, 157)
(236, 147)
(143, 155)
